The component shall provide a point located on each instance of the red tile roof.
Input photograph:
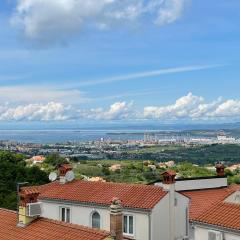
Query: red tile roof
(225, 215)
(44, 229)
(132, 195)
(203, 200)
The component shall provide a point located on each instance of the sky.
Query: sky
(124, 61)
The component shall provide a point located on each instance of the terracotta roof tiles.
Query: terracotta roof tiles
(225, 215)
(203, 200)
(132, 195)
(45, 229)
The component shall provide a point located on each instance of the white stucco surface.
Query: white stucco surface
(198, 184)
(82, 215)
(201, 233)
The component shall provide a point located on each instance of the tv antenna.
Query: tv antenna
(52, 176)
(69, 176)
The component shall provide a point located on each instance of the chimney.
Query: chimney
(27, 196)
(169, 186)
(168, 179)
(116, 219)
(63, 169)
(220, 169)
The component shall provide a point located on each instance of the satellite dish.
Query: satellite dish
(52, 176)
(69, 176)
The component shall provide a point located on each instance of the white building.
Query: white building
(195, 209)
(149, 212)
(214, 207)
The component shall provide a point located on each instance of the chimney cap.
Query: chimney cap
(169, 173)
(116, 201)
(29, 191)
(169, 177)
(116, 206)
(65, 166)
(220, 169)
(219, 165)
(63, 169)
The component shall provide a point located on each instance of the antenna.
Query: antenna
(69, 176)
(52, 176)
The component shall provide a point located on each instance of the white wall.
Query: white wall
(201, 233)
(82, 215)
(182, 214)
(198, 184)
(160, 220)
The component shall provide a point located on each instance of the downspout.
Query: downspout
(172, 211)
(150, 225)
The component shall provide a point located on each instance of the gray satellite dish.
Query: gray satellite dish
(69, 176)
(52, 176)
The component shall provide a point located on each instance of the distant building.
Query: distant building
(36, 159)
(115, 167)
(96, 179)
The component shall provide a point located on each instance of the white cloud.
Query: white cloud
(146, 74)
(48, 22)
(189, 107)
(51, 111)
(192, 107)
(117, 111)
(171, 12)
(229, 108)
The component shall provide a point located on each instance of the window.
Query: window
(96, 220)
(128, 224)
(65, 214)
(214, 235)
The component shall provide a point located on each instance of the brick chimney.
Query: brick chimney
(169, 177)
(63, 169)
(116, 219)
(26, 196)
(220, 169)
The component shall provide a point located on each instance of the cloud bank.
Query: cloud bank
(191, 107)
(187, 108)
(49, 22)
(35, 112)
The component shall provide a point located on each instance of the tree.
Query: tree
(13, 169)
(55, 159)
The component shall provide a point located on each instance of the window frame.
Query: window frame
(91, 219)
(67, 218)
(128, 225)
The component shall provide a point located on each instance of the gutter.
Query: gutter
(216, 227)
(87, 204)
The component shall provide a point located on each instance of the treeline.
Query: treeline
(13, 169)
(201, 155)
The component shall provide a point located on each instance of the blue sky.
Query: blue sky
(111, 60)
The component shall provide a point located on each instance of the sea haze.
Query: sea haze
(107, 132)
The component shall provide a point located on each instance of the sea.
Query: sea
(61, 136)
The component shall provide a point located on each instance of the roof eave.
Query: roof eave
(65, 201)
(214, 226)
